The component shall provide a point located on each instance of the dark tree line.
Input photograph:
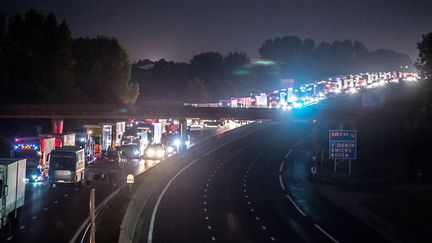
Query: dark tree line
(208, 77)
(397, 137)
(41, 63)
(305, 60)
(214, 76)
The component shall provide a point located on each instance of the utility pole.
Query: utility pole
(92, 216)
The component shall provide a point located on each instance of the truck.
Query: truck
(261, 101)
(104, 136)
(68, 139)
(120, 128)
(12, 188)
(35, 150)
(67, 165)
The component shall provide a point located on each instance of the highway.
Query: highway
(54, 214)
(254, 189)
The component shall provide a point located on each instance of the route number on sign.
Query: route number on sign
(130, 179)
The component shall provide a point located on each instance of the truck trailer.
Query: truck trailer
(12, 188)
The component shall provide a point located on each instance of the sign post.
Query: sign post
(343, 145)
(130, 180)
(92, 216)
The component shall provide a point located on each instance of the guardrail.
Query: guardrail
(159, 176)
(98, 209)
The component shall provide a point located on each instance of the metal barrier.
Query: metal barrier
(159, 176)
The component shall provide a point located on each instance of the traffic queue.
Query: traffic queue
(62, 157)
(294, 96)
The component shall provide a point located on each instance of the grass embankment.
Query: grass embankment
(408, 207)
(108, 223)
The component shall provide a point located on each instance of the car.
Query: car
(215, 123)
(155, 151)
(130, 151)
(113, 156)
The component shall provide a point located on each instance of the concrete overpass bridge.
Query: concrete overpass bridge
(110, 112)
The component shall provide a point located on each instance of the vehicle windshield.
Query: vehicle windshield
(28, 154)
(63, 161)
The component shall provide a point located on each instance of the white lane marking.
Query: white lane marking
(9, 238)
(281, 183)
(207, 218)
(263, 227)
(281, 167)
(252, 210)
(55, 202)
(213, 238)
(257, 218)
(248, 203)
(153, 216)
(244, 184)
(204, 202)
(65, 195)
(22, 227)
(299, 142)
(326, 234)
(205, 196)
(34, 217)
(246, 196)
(295, 205)
(209, 227)
(45, 209)
(76, 189)
(205, 209)
(272, 238)
(287, 154)
(244, 190)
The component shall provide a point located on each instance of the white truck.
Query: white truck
(12, 188)
(68, 139)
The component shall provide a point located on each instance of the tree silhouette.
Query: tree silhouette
(196, 92)
(37, 55)
(424, 61)
(102, 71)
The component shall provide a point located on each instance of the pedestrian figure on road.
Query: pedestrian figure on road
(113, 177)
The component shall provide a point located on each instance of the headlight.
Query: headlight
(160, 153)
(136, 152)
(170, 149)
(150, 153)
(177, 142)
(187, 143)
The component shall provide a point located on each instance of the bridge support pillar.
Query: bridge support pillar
(57, 125)
(183, 133)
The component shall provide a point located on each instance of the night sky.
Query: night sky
(178, 29)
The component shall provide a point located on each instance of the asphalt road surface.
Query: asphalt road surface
(54, 214)
(255, 189)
